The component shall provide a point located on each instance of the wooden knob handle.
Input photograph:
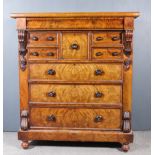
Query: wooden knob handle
(35, 53)
(50, 38)
(51, 118)
(98, 72)
(50, 54)
(75, 46)
(98, 94)
(115, 53)
(99, 53)
(51, 72)
(51, 94)
(98, 118)
(115, 38)
(99, 38)
(35, 38)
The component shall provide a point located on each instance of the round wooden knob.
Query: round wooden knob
(115, 38)
(75, 46)
(51, 72)
(99, 53)
(99, 38)
(115, 53)
(98, 94)
(98, 118)
(35, 53)
(51, 94)
(50, 54)
(51, 118)
(35, 38)
(50, 38)
(98, 72)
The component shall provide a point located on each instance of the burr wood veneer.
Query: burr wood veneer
(75, 72)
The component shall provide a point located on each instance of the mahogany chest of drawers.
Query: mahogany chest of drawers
(75, 72)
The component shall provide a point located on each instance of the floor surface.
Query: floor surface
(141, 146)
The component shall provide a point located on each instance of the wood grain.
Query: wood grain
(127, 74)
(107, 37)
(76, 72)
(128, 23)
(42, 53)
(23, 74)
(42, 38)
(75, 23)
(75, 118)
(21, 23)
(76, 93)
(77, 135)
(76, 105)
(75, 14)
(80, 39)
(107, 53)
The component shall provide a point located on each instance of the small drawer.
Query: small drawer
(72, 93)
(42, 38)
(76, 72)
(74, 45)
(42, 53)
(107, 53)
(107, 38)
(102, 119)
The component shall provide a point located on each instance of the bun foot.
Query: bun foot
(25, 144)
(125, 147)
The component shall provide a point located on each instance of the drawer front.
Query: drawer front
(76, 72)
(107, 53)
(106, 37)
(76, 93)
(76, 23)
(76, 118)
(42, 53)
(74, 46)
(42, 38)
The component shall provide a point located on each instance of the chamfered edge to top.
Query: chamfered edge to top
(74, 14)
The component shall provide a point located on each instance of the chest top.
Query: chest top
(98, 20)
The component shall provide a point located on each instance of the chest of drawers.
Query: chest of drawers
(75, 72)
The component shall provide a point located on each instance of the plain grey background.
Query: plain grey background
(141, 115)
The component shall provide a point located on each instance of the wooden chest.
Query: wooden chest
(75, 72)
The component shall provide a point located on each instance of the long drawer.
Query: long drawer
(76, 72)
(71, 93)
(75, 118)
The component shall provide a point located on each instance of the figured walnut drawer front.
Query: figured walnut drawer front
(76, 118)
(76, 93)
(42, 53)
(107, 53)
(42, 38)
(107, 37)
(76, 72)
(74, 45)
(84, 23)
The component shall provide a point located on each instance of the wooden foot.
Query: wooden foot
(25, 144)
(125, 147)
